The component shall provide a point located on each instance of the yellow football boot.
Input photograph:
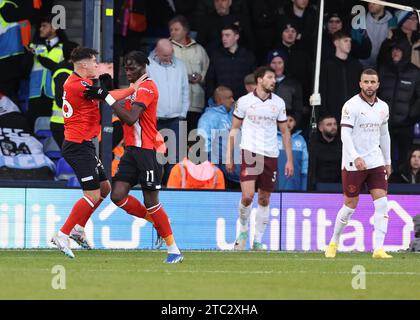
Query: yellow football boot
(331, 250)
(380, 254)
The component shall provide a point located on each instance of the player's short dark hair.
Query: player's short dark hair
(340, 34)
(139, 56)
(82, 53)
(181, 20)
(369, 72)
(234, 27)
(261, 71)
(325, 116)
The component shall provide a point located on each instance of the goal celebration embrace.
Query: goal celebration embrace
(182, 150)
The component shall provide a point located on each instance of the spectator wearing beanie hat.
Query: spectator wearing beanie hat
(298, 61)
(361, 44)
(287, 88)
(408, 33)
(301, 14)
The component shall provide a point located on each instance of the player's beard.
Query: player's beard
(371, 94)
(268, 89)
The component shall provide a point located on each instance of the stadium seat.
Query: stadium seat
(42, 127)
(73, 182)
(51, 149)
(64, 171)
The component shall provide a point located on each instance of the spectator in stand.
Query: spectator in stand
(171, 77)
(304, 17)
(410, 171)
(210, 26)
(40, 88)
(299, 63)
(408, 33)
(263, 16)
(361, 44)
(379, 23)
(197, 62)
(230, 64)
(195, 171)
(400, 89)
(214, 126)
(326, 152)
(286, 88)
(340, 77)
(249, 83)
(12, 51)
(298, 181)
(60, 72)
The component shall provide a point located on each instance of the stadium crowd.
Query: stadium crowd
(202, 55)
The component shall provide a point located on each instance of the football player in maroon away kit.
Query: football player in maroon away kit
(81, 125)
(140, 165)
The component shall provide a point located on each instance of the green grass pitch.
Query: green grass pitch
(110, 274)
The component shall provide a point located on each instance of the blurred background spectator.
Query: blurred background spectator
(340, 76)
(50, 46)
(400, 89)
(171, 77)
(214, 125)
(229, 65)
(410, 170)
(249, 83)
(287, 88)
(197, 62)
(297, 182)
(326, 152)
(195, 171)
(379, 23)
(407, 33)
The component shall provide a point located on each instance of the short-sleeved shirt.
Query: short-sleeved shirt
(143, 133)
(82, 119)
(366, 121)
(260, 123)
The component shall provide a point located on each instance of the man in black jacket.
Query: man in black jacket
(339, 77)
(400, 88)
(326, 155)
(229, 65)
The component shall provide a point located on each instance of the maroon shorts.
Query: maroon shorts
(259, 168)
(353, 181)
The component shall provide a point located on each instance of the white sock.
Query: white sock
(261, 221)
(244, 213)
(173, 248)
(380, 221)
(78, 228)
(343, 217)
(62, 234)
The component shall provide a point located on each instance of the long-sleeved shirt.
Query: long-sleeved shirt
(172, 82)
